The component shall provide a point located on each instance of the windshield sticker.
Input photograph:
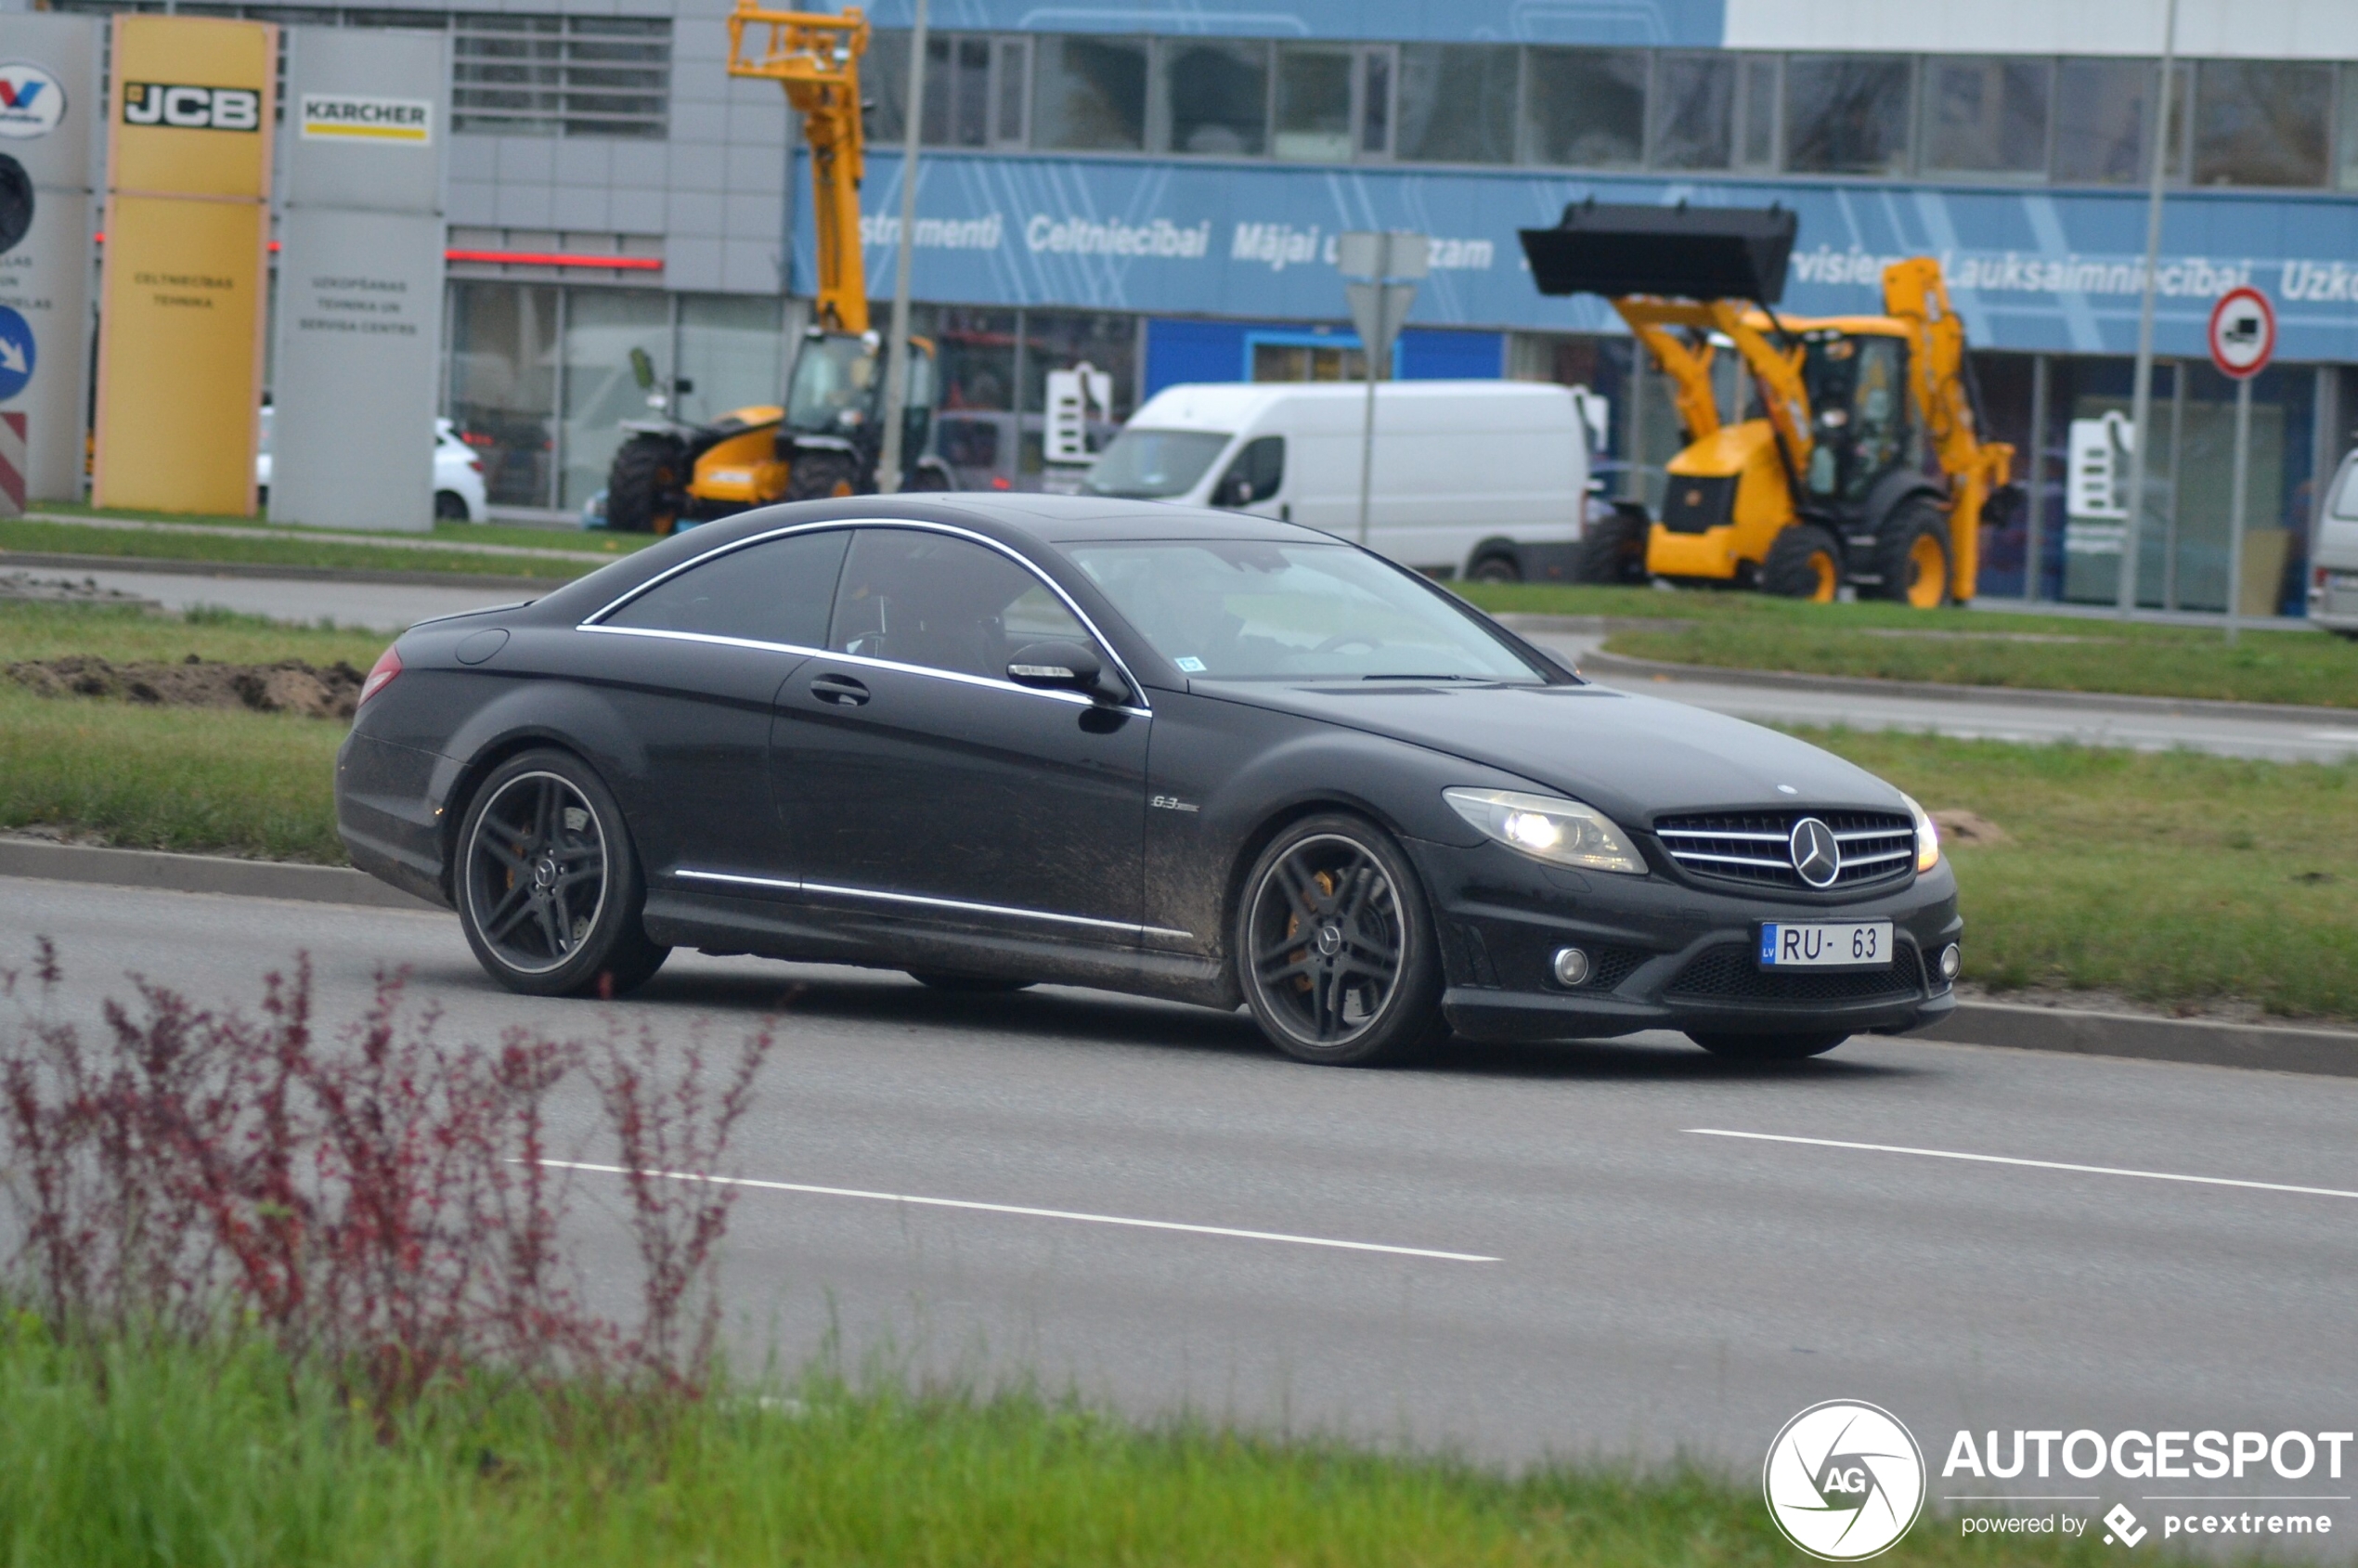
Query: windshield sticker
(1192, 665)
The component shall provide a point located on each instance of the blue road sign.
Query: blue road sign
(16, 353)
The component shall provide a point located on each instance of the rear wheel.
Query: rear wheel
(548, 888)
(647, 486)
(1612, 548)
(449, 506)
(1768, 1047)
(1912, 554)
(1804, 562)
(1495, 569)
(1335, 947)
(819, 475)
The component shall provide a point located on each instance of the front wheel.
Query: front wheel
(647, 486)
(1913, 555)
(819, 475)
(1769, 1047)
(1334, 946)
(1612, 548)
(1803, 561)
(548, 888)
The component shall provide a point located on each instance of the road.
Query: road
(1550, 1250)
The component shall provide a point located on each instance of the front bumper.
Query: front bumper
(1668, 954)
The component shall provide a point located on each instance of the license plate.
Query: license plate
(1843, 944)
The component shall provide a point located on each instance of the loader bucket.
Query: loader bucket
(1686, 252)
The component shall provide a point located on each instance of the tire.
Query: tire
(449, 506)
(1768, 1047)
(647, 487)
(1363, 987)
(968, 985)
(1912, 554)
(541, 838)
(928, 479)
(819, 475)
(1495, 569)
(1612, 550)
(1804, 562)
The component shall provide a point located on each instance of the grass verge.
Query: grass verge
(1965, 647)
(318, 551)
(156, 1454)
(456, 533)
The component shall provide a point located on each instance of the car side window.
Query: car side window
(1256, 474)
(928, 598)
(776, 591)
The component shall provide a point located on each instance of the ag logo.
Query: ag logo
(1844, 1480)
(191, 108)
(30, 101)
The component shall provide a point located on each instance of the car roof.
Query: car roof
(1085, 519)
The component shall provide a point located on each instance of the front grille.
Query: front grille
(1733, 974)
(1754, 846)
(1694, 505)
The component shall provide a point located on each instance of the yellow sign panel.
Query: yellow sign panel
(188, 230)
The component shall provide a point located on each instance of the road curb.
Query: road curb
(200, 873)
(1619, 664)
(494, 581)
(2197, 1042)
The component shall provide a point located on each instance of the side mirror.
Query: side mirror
(643, 370)
(1064, 666)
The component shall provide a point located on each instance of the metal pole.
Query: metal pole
(2141, 399)
(1367, 445)
(2236, 509)
(2035, 513)
(896, 350)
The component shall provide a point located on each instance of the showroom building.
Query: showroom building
(1155, 190)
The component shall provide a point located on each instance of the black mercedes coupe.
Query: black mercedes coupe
(999, 740)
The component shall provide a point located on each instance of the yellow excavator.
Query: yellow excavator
(1829, 486)
(828, 438)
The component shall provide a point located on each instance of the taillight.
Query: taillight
(474, 463)
(380, 675)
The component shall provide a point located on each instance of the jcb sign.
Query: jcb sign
(191, 108)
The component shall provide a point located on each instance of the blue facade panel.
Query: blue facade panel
(2052, 270)
(1185, 351)
(1685, 23)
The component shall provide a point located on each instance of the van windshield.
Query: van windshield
(2345, 500)
(1248, 610)
(1151, 464)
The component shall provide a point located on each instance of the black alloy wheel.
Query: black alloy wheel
(1335, 948)
(1769, 1047)
(548, 888)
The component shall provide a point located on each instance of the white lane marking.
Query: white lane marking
(2031, 1164)
(1033, 1214)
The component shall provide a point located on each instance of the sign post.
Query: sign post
(1380, 273)
(2243, 339)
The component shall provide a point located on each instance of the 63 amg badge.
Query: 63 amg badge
(1844, 1479)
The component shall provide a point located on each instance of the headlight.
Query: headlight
(1547, 828)
(1927, 837)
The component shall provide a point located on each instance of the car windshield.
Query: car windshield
(833, 381)
(1238, 610)
(1150, 464)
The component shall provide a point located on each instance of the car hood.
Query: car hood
(1631, 756)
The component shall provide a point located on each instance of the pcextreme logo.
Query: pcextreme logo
(30, 101)
(1844, 1479)
(191, 108)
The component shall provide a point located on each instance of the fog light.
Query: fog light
(1951, 961)
(1571, 965)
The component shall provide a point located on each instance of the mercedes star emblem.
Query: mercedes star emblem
(1815, 854)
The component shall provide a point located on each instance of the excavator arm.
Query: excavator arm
(1914, 295)
(1687, 361)
(816, 58)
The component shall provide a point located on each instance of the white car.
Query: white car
(459, 495)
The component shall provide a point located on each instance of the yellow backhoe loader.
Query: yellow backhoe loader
(1830, 485)
(827, 439)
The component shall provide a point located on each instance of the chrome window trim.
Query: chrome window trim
(1144, 703)
(832, 889)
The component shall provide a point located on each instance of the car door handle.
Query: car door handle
(840, 690)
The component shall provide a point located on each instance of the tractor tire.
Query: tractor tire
(816, 477)
(1804, 562)
(648, 486)
(1612, 550)
(1912, 554)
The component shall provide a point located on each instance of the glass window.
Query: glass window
(1257, 474)
(729, 348)
(774, 592)
(2346, 164)
(1308, 362)
(2260, 122)
(1694, 110)
(945, 603)
(602, 326)
(1241, 610)
(884, 87)
(1150, 464)
(1313, 103)
(1847, 114)
(1986, 115)
(1062, 340)
(835, 384)
(2100, 116)
(977, 349)
(1585, 108)
(1761, 98)
(503, 386)
(1013, 58)
(957, 91)
(1089, 94)
(2346, 499)
(1457, 103)
(1215, 96)
(1375, 102)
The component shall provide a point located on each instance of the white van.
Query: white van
(1483, 479)
(2333, 562)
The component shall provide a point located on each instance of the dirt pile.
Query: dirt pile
(289, 686)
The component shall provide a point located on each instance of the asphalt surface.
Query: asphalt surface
(1647, 1285)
